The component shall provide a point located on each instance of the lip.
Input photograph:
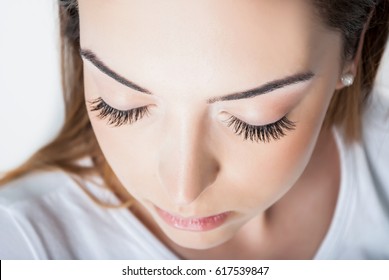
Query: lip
(193, 224)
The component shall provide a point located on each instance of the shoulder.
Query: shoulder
(40, 213)
(375, 136)
(33, 187)
(27, 203)
(361, 220)
(47, 215)
(19, 201)
(376, 121)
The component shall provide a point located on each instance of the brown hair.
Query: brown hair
(76, 140)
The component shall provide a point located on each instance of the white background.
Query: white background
(31, 108)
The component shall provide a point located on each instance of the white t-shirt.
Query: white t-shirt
(47, 216)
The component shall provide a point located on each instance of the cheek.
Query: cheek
(128, 153)
(264, 172)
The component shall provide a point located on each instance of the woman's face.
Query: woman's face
(187, 140)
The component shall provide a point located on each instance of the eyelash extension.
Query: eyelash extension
(117, 117)
(262, 133)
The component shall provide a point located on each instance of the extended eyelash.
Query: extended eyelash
(263, 133)
(117, 117)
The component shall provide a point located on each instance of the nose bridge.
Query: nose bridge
(186, 164)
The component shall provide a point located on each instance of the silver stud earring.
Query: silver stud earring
(347, 79)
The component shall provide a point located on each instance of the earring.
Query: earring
(347, 79)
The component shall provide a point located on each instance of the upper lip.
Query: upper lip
(181, 216)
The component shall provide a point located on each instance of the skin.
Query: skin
(183, 157)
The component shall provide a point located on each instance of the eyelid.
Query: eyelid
(226, 116)
(261, 110)
(262, 133)
(117, 117)
(253, 117)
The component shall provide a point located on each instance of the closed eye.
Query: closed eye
(118, 117)
(261, 133)
(254, 133)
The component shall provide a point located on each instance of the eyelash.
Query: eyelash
(117, 117)
(262, 133)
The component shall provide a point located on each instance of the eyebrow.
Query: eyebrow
(92, 57)
(263, 89)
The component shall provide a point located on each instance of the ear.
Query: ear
(351, 67)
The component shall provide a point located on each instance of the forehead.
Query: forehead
(209, 42)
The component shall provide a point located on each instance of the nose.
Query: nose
(187, 166)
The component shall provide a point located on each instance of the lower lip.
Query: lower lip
(193, 224)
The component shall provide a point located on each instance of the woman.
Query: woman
(211, 130)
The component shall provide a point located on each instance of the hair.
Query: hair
(77, 141)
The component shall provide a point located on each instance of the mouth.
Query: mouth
(193, 224)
